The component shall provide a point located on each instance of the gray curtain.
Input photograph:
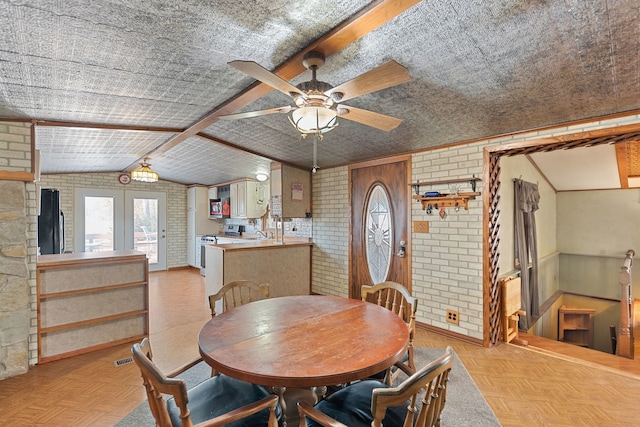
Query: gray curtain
(526, 200)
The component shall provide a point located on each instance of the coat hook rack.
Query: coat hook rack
(437, 200)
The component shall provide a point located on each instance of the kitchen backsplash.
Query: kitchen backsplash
(299, 227)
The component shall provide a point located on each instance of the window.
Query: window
(379, 231)
(98, 224)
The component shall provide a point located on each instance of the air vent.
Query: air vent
(124, 361)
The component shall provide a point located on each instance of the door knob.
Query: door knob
(401, 251)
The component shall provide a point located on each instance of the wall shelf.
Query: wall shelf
(438, 201)
(472, 182)
(461, 200)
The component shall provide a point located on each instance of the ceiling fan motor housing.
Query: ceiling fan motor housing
(313, 59)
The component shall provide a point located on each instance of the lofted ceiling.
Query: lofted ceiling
(600, 167)
(114, 81)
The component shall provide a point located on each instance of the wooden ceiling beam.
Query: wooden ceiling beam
(357, 26)
(104, 126)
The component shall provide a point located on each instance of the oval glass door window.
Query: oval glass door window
(379, 232)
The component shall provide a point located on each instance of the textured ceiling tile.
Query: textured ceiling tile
(213, 164)
(85, 150)
(479, 68)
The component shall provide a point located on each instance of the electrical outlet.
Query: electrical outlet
(453, 316)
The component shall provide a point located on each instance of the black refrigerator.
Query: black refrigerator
(50, 223)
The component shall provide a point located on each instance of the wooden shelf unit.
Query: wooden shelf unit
(90, 301)
(575, 325)
(459, 200)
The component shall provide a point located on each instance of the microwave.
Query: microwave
(215, 208)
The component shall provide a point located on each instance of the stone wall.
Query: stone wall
(15, 309)
(18, 314)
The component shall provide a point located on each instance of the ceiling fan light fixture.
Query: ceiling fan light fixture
(144, 173)
(314, 120)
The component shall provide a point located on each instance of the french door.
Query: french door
(146, 226)
(106, 220)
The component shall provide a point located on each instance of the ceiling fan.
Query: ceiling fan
(318, 104)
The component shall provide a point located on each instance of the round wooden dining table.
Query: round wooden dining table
(303, 341)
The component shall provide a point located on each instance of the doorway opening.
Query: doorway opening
(491, 227)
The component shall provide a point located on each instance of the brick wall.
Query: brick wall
(15, 146)
(447, 261)
(330, 256)
(176, 206)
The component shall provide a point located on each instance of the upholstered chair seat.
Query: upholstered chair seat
(220, 395)
(217, 401)
(418, 401)
(352, 406)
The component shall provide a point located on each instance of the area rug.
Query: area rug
(465, 404)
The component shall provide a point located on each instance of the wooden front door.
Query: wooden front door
(380, 218)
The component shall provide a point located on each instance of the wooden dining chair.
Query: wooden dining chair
(368, 403)
(216, 401)
(237, 293)
(395, 297)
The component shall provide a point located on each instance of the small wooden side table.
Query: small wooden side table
(575, 325)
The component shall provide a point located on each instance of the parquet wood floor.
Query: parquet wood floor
(522, 386)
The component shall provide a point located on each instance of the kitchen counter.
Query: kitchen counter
(86, 257)
(286, 267)
(253, 244)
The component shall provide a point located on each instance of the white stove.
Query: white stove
(230, 230)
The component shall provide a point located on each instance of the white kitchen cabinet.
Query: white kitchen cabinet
(213, 192)
(249, 199)
(198, 222)
(191, 241)
(239, 199)
(290, 191)
(257, 198)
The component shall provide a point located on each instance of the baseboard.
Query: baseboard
(183, 267)
(449, 334)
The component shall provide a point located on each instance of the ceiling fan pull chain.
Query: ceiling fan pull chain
(315, 154)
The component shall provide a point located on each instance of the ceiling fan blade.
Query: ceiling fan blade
(386, 75)
(283, 110)
(258, 72)
(369, 118)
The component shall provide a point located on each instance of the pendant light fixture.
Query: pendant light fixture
(144, 172)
